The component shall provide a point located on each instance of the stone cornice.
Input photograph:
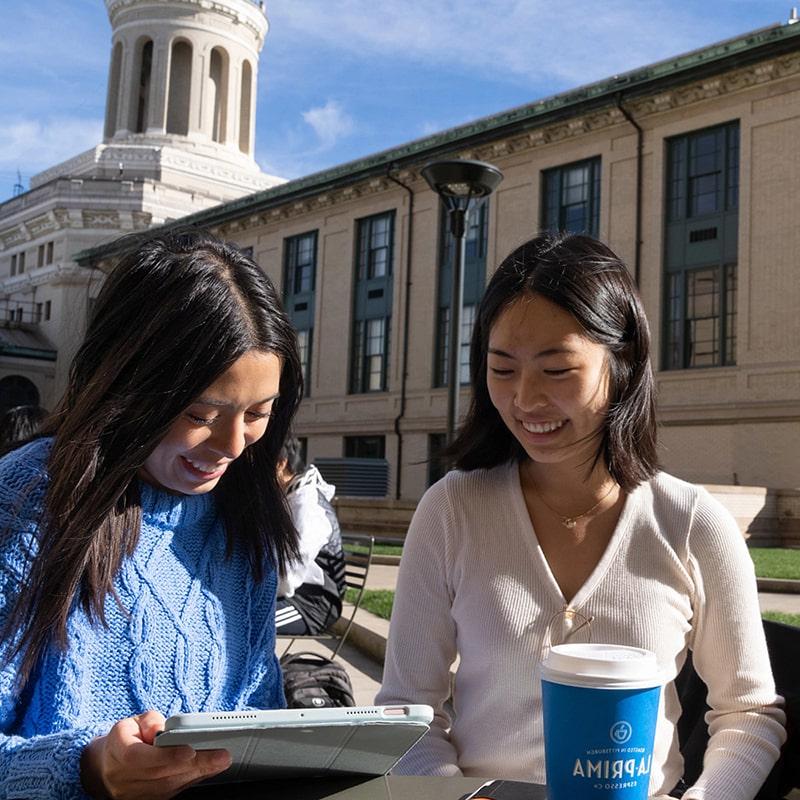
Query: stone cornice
(52, 275)
(241, 12)
(611, 116)
(564, 117)
(59, 219)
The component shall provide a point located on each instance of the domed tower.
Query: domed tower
(183, 73)
(181, 103)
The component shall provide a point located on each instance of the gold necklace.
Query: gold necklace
(571, 522)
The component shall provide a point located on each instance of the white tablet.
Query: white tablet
(302, 742)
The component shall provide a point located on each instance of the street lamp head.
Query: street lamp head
(459, 181)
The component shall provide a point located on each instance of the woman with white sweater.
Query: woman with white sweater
(557, 526)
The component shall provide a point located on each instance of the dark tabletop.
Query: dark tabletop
(351, 788)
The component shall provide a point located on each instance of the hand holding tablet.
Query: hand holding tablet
(360, 740)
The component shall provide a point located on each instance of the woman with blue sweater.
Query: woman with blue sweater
(141, 533)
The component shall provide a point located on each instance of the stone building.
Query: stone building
(179, 135)
(687, 168)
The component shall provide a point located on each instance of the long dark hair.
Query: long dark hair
(582, 276)
(177, 311)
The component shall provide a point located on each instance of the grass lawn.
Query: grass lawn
(781, 616)
(376, 601)
(379, 549)
(776, 562)
(771, 562)
(379, 602)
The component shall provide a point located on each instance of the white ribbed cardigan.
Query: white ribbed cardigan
(474, 583)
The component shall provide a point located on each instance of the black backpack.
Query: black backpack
(313, 681)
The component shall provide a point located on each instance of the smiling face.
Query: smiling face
(231, 414)
(548, 381)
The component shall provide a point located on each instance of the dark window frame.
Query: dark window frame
(362, 446)
(554, 210)
(689, 159)
(372, 302)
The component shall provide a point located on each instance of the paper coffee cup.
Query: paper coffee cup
(600, 705)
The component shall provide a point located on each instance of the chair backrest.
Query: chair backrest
(357, 560)
(783, 643)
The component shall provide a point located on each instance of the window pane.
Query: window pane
(704, 194)
(702, 317)
(732, 188)
(356, 383)
(304, 346)
(364, 447)
(572, 198)
(730, 314)
(467, 323)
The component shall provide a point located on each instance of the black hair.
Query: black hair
(292, 454)
(20, 423)
(584, 277)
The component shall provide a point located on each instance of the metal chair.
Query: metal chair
(357, 560)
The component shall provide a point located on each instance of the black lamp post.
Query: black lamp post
(459, 183)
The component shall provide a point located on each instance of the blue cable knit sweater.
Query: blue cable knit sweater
(199, 634)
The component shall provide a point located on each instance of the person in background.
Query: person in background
(557, 526)
(311, 589)
(138, 566)
(20, 423)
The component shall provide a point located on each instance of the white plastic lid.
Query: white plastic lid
(608, 666)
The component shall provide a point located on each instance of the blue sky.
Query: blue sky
(340, 79)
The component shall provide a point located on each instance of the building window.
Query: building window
(372, 303)
(701, 248)
(304, 348)
(370, 346)
(375, 246)
(14, 264)
(300, 263)
(477, 235)
(40, 256)
(299, 279)
(47, 308)
(20, 263)
(571, 198)
(39, 311)
(365, 447)
(49, 258)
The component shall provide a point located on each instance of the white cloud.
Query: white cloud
(38, 144)
(530, 40)
(329, 122)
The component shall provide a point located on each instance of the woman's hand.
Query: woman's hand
(125, 764)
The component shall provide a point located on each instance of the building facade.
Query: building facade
(179, 136)
(687, 168)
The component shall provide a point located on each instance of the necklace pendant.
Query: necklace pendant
(568, 522)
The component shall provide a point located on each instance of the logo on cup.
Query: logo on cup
(620, 732)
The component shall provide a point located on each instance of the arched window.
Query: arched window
(141, 86)
(112, 102)
(180, 84)
(218, 100)
(16, 390)
(245, 106)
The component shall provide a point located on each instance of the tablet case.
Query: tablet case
(360, 748)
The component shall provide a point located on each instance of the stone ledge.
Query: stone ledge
(780, 585)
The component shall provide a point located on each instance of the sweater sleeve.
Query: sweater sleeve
(44, 766)
(746, 720)
(422, 635)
